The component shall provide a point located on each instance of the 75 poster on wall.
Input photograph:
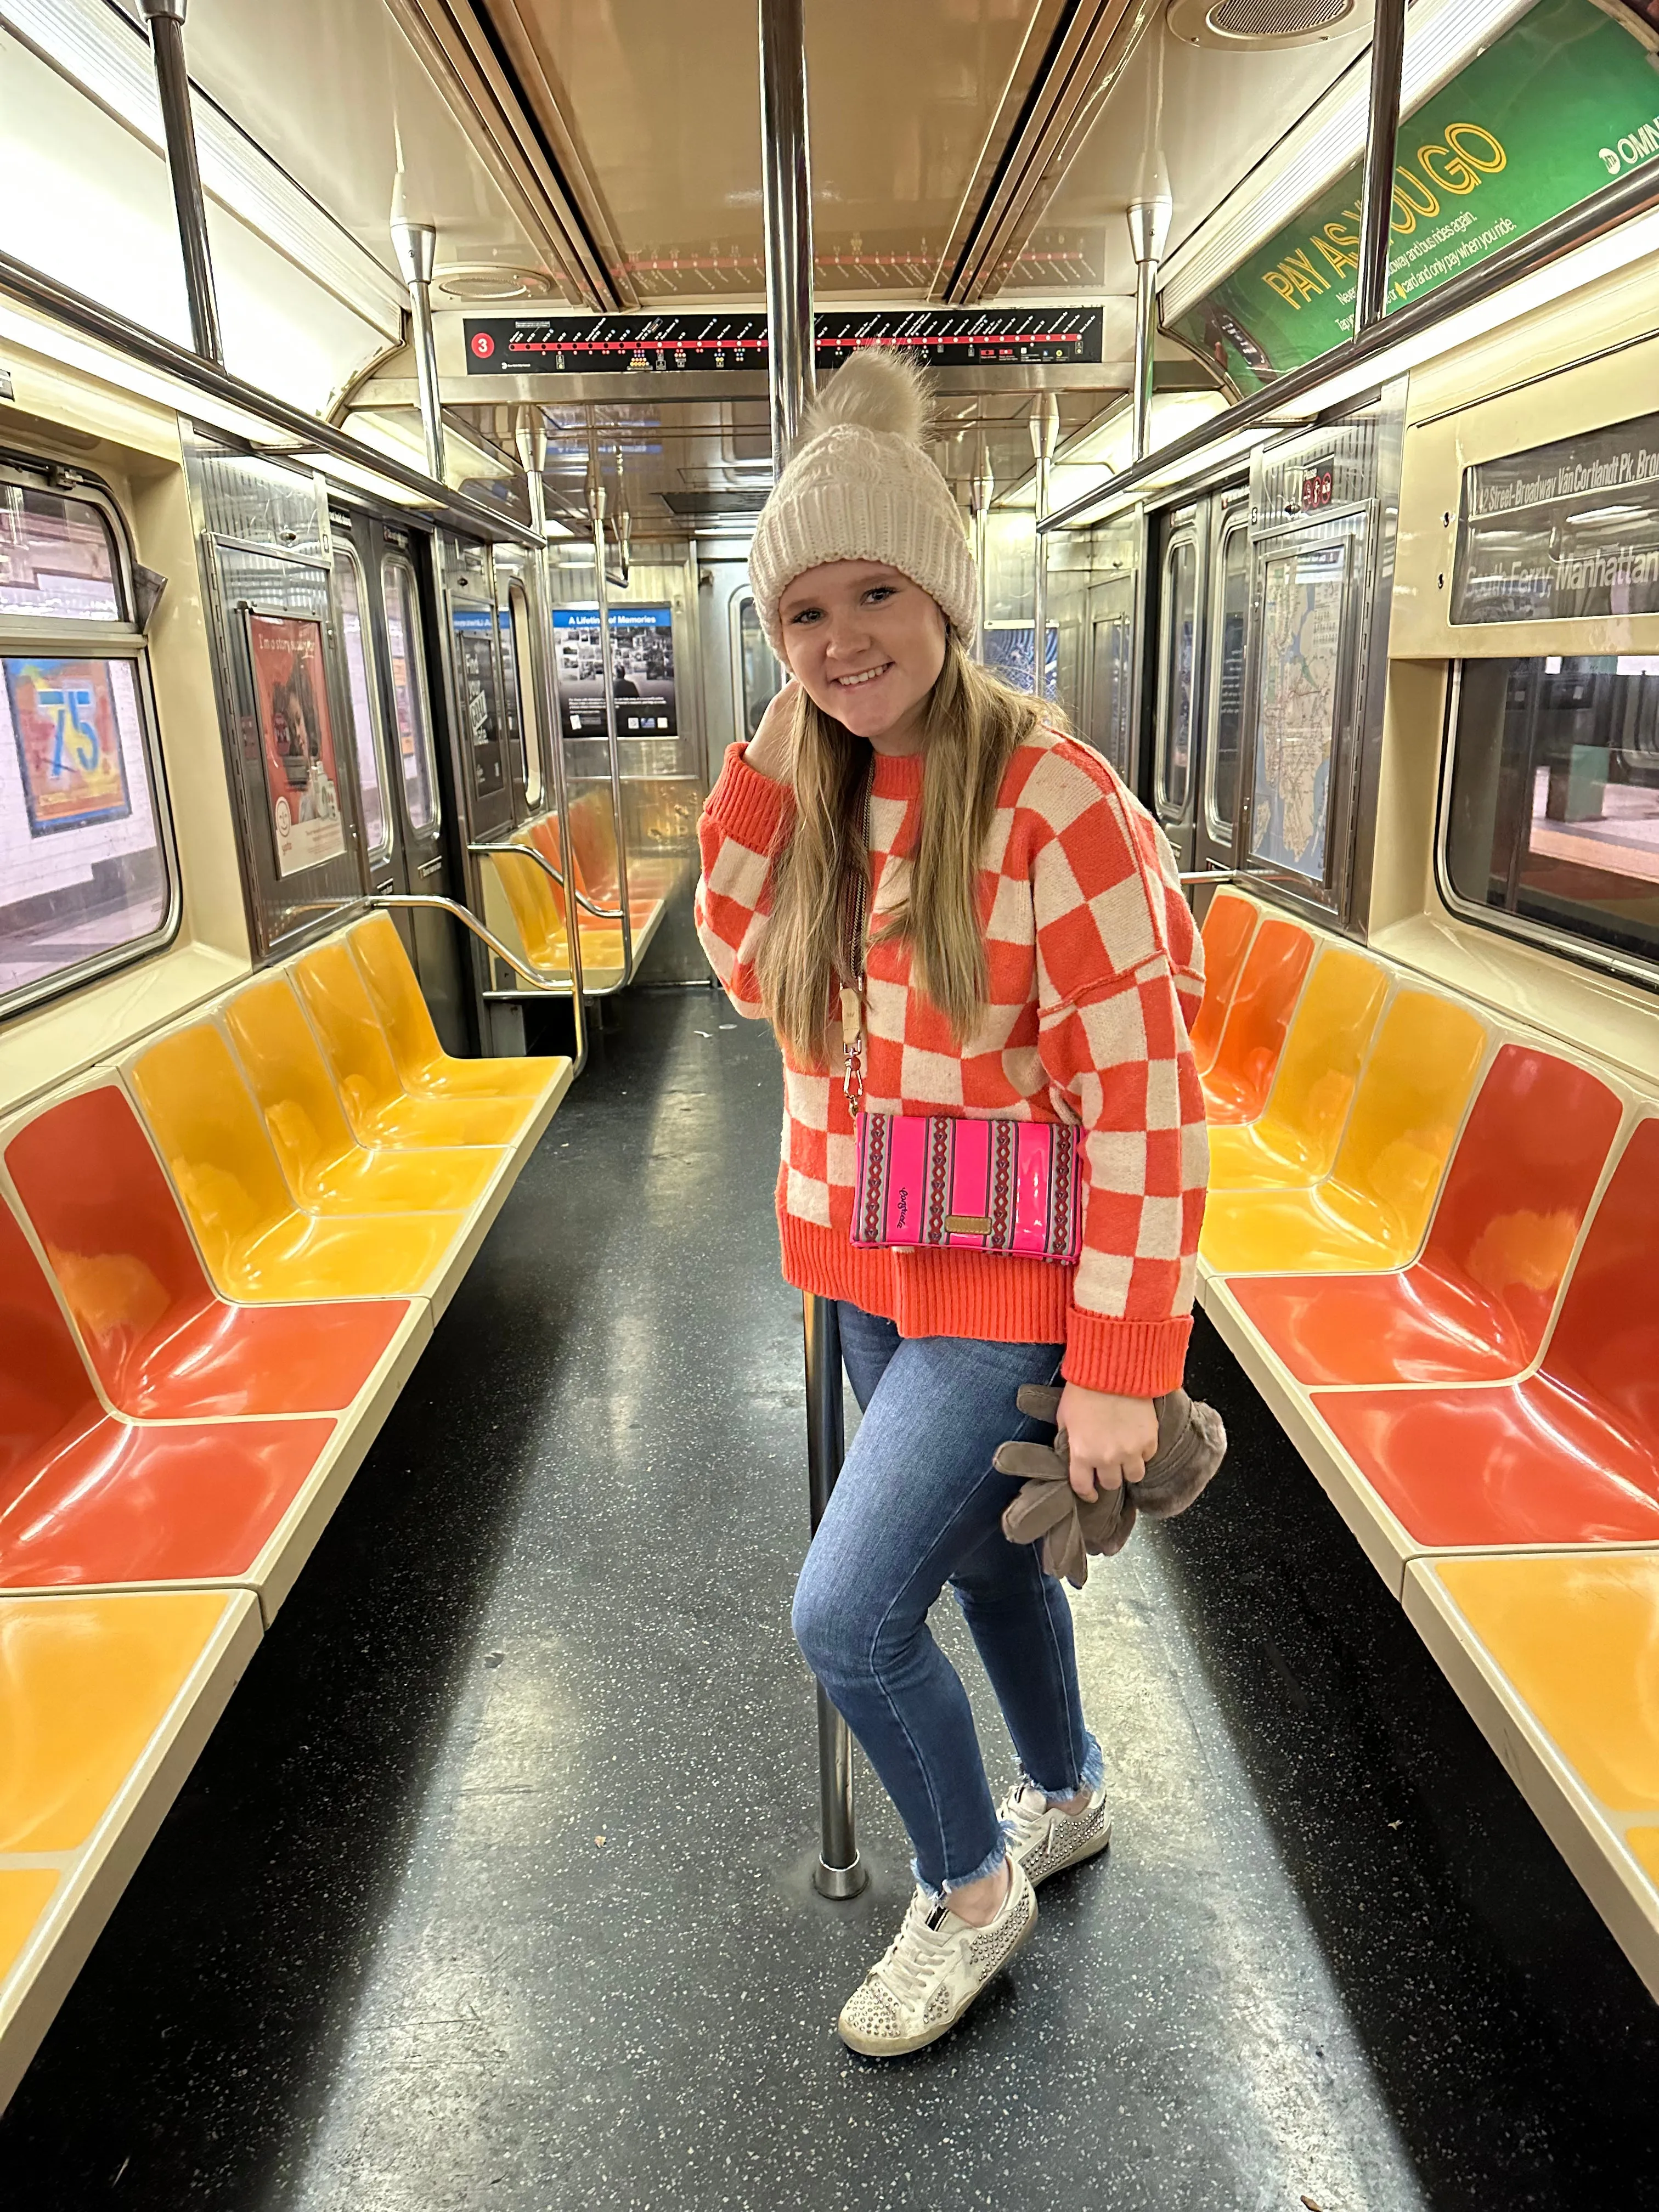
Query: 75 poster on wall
(68, 743)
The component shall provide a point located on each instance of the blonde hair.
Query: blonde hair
(973, 723)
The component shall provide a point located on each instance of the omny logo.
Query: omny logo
(1631, 151)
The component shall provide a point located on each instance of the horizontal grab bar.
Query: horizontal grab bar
(1245, 876)
(534, 975)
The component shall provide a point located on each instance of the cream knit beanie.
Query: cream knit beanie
(860, 487)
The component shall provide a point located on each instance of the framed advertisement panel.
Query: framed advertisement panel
(68, 736)
(296, 738)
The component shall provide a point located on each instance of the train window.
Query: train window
(760, 676)
(415, 762)
(86, 868)
(516, 656)
(1174, 716)
(1110, 680)
(1552, 817)
(365, 722)
(57, 558)
(1227, 702)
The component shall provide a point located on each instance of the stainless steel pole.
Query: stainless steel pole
(787, 198)
(602, 588)
(530, 435)
(1376, 218)
(1149, 231)
(416, 247)
(985, 490)
(165, 19)
(1045, 431)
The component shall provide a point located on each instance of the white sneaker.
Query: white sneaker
(1043, 1838)
(934, 1968)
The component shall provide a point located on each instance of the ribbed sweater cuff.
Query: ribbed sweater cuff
(748, 805)
(1130, 1359)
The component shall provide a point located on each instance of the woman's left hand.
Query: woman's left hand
(1110, 1439)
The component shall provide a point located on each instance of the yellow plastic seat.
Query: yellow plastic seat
(105, 1701)
(379, 1108)
(1372, 1210)
(538, 907)
(424, 1068)
(257, 1243)
(1575, 1634)
(327, 1170)
(1294, 1143)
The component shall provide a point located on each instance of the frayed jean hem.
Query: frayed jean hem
(1093, 1774)
(987, 1867)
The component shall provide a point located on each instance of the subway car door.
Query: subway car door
(1184, 546)
(391, 559)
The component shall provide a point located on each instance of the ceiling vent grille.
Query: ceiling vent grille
(1235, 23)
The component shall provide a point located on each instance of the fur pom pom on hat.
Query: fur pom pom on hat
(860, 487)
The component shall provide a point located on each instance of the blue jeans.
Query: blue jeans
(919, 1504)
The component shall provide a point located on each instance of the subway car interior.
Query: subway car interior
(411, 1795)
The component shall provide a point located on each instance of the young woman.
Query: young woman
(1027, 954)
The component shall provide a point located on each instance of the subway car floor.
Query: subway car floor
(492, 1888)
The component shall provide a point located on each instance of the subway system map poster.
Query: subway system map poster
(1296, 720)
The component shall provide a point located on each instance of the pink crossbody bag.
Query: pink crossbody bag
(946, 1180)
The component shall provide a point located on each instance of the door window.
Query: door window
(1232, 607)
(760, 676)
(517, 663)
(1174, 717)
(1110, 682)
(85, 871)
(365, 721)
(415, 762)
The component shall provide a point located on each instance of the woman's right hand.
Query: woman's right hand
(770, 752)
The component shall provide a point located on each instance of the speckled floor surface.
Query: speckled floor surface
(490, 1890)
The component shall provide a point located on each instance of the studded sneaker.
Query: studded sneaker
(934, 1968)
(1043, 1838)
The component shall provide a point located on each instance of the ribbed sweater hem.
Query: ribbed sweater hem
(1000, 1301)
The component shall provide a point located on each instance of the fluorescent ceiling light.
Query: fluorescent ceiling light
(124, 374)
(398, 432)
(99, 48)
(1440, 36)
(1107, 448)
(362, 479)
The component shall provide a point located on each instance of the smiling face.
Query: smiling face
(868, 645)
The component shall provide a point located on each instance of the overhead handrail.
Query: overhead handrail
(530, 852)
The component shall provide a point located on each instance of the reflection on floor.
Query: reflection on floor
(491, 1889)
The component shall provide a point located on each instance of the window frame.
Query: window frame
(1542, 936)
(1183, 539)
(395, 557)
(98, 640)
(1235, 527)
(345, 550)
(521, 632)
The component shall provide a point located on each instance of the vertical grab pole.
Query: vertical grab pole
(1376, 204)
(786, 201)
(165, 19)
(602, 592)
(840, 1872)
(1045, 431)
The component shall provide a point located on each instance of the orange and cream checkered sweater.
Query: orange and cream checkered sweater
(1096, 974)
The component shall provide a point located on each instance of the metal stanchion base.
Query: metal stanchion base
(840, 1882)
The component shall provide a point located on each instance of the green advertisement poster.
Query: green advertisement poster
(1551, 113)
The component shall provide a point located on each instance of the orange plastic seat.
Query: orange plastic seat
(1246, 1059)
(600, 928)
(1229, 925)
(379, 1108)
(162, 1343)
(537, 905)
(1372, 1209)
(257, 1243)
(593, 847)
(1294, 1141)
(1474, 1308)
(327, 1170)
(424, 1067)
(1569, 1456)
(86, 1497)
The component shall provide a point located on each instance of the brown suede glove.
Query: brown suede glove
(1191, 1443)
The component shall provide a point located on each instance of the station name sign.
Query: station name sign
(942, 337)
(1562, 531)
